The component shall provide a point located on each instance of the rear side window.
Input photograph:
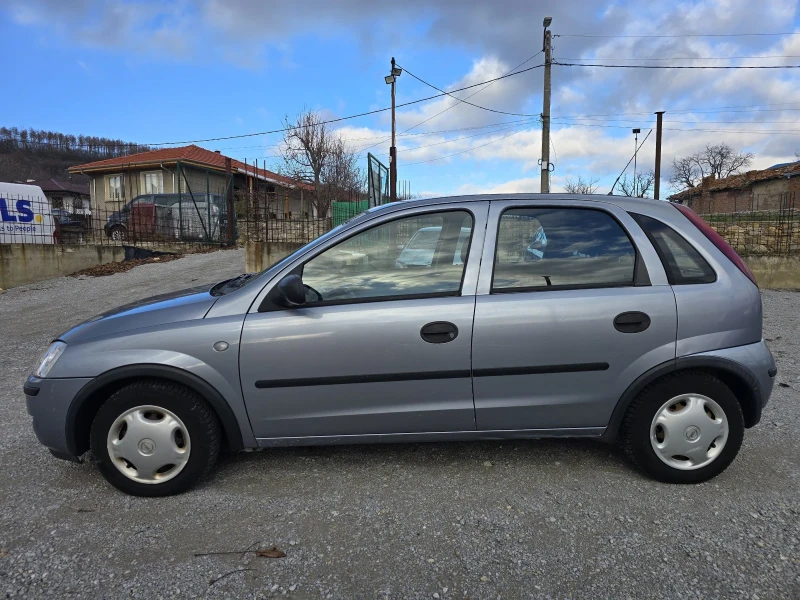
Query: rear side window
(552, 248)
(681, 261)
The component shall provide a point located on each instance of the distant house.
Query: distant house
(189, 170)
(72, 197)
(768, 189)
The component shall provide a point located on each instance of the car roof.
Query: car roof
(624, 202)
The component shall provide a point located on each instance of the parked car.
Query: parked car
(178, 216)
(419, 251)
(69, 227)
(637, 324)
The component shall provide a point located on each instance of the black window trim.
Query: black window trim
(641, 277)
(270, 303)
(664, 260)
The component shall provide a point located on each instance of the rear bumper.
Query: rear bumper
(48, 401)
(757, 360)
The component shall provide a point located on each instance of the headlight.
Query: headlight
(49, 359)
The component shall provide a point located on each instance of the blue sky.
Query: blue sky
(155, 72)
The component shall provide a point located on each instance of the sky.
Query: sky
(169, 72)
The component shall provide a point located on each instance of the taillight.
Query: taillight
(716, 239)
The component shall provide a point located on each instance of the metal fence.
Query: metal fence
(181, 221)
(773, 232)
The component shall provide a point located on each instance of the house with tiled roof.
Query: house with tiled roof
(189, 170)
(769, 189)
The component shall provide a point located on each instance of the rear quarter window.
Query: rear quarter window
(681, 261)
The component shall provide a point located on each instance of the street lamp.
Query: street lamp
(636, 133)
(391, 79)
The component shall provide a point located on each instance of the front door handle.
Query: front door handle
(631, 322)
(439, 332)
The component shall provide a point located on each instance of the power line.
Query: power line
(339, 119)
(502, 112)
(524, 62)
(709, 109)
(692, 57)
(683, 35)
(563, 64)
(467, 136)
(780, 132)
(635, 152)
(463, 151)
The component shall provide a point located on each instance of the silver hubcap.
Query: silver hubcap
(148, 444)
(689, 431)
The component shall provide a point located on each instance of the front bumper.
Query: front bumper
(48, 402)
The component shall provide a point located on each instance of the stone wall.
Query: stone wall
(762, 234)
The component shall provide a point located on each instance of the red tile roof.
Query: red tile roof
(192, 154)
(742, 180)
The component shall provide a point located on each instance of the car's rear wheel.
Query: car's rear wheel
(684, 428)
(155, 438)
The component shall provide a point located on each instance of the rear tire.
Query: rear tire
(683, 428)
(118, 233)
(150, 422)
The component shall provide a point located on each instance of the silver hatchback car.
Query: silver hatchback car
(530, 316)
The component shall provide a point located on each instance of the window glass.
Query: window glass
(422, 254)
(561, 247)
(154, 183)
(681, 261)
(115, 187)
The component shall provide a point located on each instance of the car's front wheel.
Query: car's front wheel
(155, 438)
(684, 428)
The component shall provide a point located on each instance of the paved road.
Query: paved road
(545, 519)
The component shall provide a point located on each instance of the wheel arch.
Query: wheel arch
(87, 402)
(739, 379)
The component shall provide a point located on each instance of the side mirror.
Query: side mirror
(292, 290)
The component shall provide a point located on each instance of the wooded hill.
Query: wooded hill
(38, 154)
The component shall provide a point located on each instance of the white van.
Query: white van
(25, 215)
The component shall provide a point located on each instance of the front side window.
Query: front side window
(540, 248)
(114, 188)
(153, 182)
(421, 255)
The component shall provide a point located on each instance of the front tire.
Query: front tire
(684, 428)
(155, 438)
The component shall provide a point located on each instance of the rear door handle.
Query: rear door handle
(439, 332)
(631, 322)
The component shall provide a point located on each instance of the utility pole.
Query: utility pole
(635, 153)
(547, 46)
(657, 184)
(391, 79)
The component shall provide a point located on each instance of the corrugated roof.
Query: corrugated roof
(742, 180)
(191, 153)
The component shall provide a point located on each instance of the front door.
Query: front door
(382, 345)
(568, 318)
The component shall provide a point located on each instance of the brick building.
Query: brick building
(764, 190)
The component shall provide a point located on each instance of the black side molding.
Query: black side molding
(540, 369)
(347, 379)
(30, 390)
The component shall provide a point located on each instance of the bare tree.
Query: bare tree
(306, 147)
(638, 186)
(580, 186)
(314, 155)
(719, 160)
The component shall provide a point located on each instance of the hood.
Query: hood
(185, 305)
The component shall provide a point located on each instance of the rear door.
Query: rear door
(572, 306)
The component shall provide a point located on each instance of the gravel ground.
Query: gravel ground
(543, 519)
